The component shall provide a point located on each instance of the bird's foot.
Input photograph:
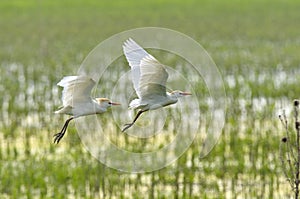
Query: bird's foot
(127, 126)
(58, 136)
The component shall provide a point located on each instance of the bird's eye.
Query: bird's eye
(109, 102)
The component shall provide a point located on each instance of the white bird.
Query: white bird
(77, 101)
(149, 79)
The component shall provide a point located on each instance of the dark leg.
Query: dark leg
(127, 126)
(58, 136)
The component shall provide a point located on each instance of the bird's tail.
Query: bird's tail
(134, 103)
(64, 110)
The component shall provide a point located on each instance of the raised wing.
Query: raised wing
(77, 89)
(153, 78)
(134, 55)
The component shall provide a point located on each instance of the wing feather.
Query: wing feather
(134, 55)
(153, 78)
(149, 76)
(76, 89)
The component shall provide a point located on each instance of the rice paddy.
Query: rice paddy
(255, 44)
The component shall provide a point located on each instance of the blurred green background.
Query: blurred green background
(255, 44)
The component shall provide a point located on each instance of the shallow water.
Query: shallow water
(243, 163)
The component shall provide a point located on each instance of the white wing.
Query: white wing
(134, 55)
(77, 89)
(153, 78)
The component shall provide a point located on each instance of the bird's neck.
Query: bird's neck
(172, 97)
(100, 107)
(103, 107)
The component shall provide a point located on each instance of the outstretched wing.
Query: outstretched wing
(153, 78)
(134, 55)
(77, 89)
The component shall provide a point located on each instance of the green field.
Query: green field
(255, 44)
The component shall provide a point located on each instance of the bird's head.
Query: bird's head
(179, 94)
(105, 103)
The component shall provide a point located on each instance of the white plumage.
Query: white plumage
(77, 100)
(149, 78)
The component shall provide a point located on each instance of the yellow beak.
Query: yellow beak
(186, 93)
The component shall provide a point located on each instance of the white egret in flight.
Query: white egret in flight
(149, 79)
(77, 101)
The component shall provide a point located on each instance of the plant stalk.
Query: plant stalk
(297, 126)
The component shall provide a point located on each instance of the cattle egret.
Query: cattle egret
(77, 101)
(149, 79)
